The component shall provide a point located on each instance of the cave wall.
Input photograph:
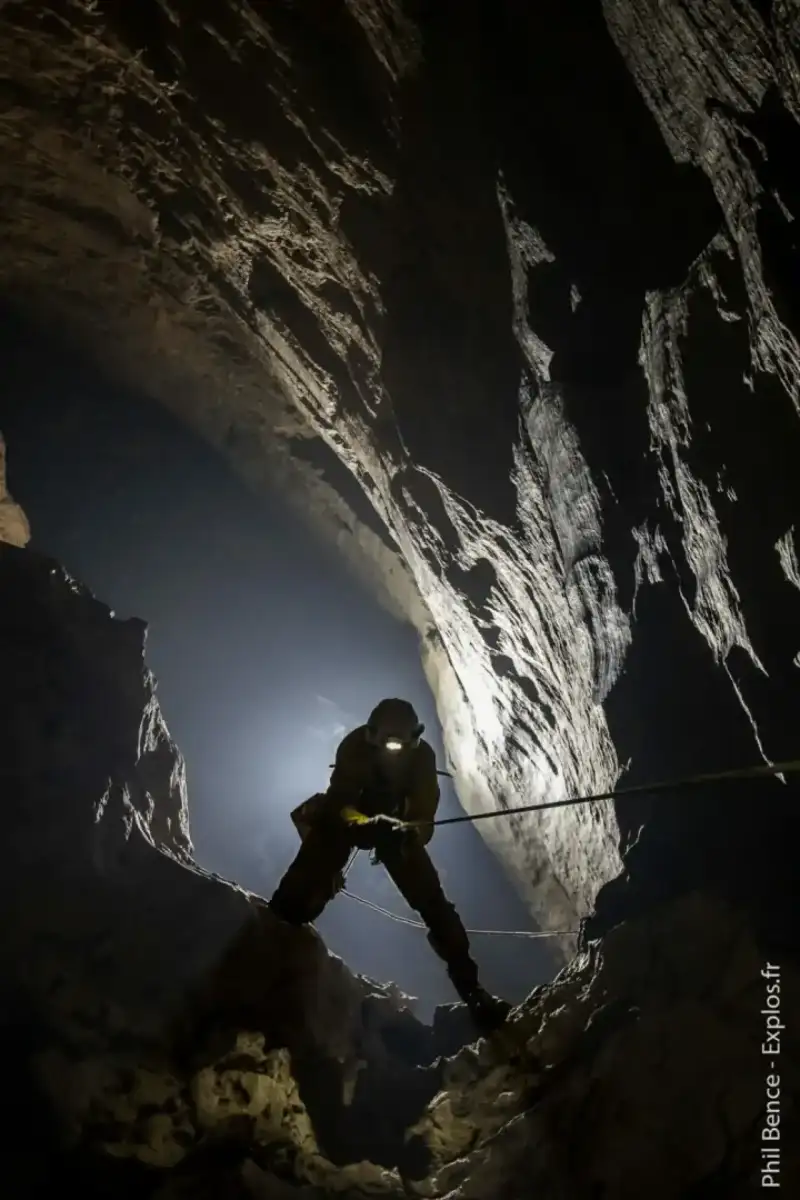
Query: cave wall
(545, 319)
(126, 970)
(165, 1036)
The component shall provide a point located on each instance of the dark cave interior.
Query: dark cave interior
(387, 231)
(265, 649)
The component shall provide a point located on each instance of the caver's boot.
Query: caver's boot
(488, 1012)
(450, 942)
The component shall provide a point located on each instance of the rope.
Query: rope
(763, 771)
(671, 785)
(350, 861)
(522, 933)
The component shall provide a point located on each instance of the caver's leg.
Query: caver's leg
(417, 879)
(314, 877)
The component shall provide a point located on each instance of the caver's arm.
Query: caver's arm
(423, 795)
(349, 769)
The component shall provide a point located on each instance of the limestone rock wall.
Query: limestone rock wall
(505, 300)
(14, 527)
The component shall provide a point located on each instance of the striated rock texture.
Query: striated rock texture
(506, 298)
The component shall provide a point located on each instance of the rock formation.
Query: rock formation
(14, 527)
(168, 1037)
(337, 236)
(371, 253)
(506, 298)
(121, 961)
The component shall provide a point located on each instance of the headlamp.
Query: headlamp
(393, 744)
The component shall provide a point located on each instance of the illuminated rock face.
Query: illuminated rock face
(511, 310)
(14, 527)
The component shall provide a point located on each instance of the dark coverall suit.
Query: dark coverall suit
(413, 794)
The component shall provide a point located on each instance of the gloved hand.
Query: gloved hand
(353, 816)
(385, 826)
(407, 835)
(391, 836)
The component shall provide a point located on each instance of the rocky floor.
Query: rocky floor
(638, 1071)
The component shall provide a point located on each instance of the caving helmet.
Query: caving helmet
(393, 725)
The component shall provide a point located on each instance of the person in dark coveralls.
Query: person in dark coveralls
(384, 770)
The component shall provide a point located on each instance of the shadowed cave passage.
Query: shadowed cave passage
(264, 646)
